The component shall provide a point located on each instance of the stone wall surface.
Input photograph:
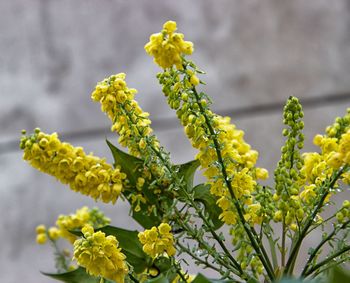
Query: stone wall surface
(53, 52)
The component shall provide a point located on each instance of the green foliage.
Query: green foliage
(186, 171)
(339, 275)
(78, 275)
(131, 165)
(202, 194)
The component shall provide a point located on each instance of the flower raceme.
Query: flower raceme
(212, 134)
(129, 121)
(167, 47)
(86, 174)
(100, 255)
(158, 240)
(79, 219)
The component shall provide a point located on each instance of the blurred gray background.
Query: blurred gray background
(52, 53)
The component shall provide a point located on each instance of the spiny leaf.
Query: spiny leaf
(159, 279)
(129, 164)
(78, 275)
(202, 194)
(187, 171)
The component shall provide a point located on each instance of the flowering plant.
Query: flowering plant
(180, 218)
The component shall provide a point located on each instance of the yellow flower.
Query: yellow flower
(75, 221)
(86, 174)
(54, 233)
(167, 47)
(100, 255)
(158, 240)
(41, 238)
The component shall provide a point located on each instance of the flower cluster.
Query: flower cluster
(82, 216)
(340, 126)
(167, 47)
(287, 174)
(220, 143)
(86, 174)
(100, 255)
(343, 214)
(320, 166)
(158, 240)
(129, 121)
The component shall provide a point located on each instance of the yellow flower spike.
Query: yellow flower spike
(100, 255)
(70, 165)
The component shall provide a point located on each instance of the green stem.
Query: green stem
(330, 266)
(198, 259)
(273, 250)
(259, 248)
(295, 248)
(317, 266)
(283, 249)
(193, 204)
(133, 278)
(204, 244)
(319, 246)
(198, 211)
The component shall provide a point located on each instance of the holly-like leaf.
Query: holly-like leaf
(202, 194)
(159, 279)
(187, 171)
(200, 278)
(339, 275)
(78, 275)
(129, 164)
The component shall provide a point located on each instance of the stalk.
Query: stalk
(296, 247)
(259, 248)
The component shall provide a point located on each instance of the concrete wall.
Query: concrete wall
(53, 52)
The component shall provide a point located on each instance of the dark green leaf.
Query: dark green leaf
(146, 220)
(159, 279)
(200, 278)
(187, 171)
(78, 275)
(202, 194)
(129, 164)
(339, 275)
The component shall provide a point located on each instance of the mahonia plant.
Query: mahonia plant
(265, 225)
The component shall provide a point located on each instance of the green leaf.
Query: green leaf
(187, 171)
(159, 279)
(339, 275)
(200, 278)
(129, 164)
(131, 247)
(78, 275)
(202, 194)
(166, 268)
